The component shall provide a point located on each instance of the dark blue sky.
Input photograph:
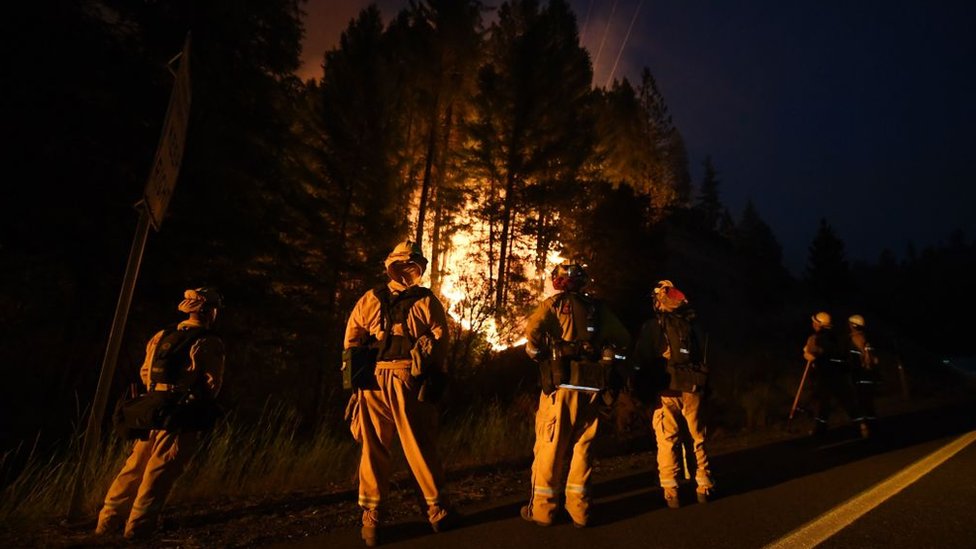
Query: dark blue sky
(860, 112)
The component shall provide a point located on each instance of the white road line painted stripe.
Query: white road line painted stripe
(819, 529)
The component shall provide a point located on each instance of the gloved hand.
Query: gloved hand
(355, 418)
(351, 407)
(537, 354)
(425, 345)
(420, 355)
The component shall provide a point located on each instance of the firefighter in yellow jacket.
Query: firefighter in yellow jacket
(402, 328)
(576, 341)
(187, 363)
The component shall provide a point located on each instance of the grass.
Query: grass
(267, 457)
(272, 457)
(485, 436)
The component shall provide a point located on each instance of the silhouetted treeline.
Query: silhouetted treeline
(929, 298)
(430, 125)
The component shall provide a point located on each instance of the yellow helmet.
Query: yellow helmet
(856, 320)
(406, 251)
(821, 319)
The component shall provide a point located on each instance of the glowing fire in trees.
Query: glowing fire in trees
(466, 282)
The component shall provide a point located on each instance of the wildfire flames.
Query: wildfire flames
(466, 281)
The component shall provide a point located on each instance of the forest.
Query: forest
(478, 132)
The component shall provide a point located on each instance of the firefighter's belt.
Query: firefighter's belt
(394, 365)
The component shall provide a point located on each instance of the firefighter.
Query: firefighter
(405, 327)
(186, 363)
(829, 373)
(578, 343)
(669, 345)
(864, 373)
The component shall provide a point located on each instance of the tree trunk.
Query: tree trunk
(542, 248)
(428, 166)
(491, 241)
(435, 243)
(503, 242)
(438, 203)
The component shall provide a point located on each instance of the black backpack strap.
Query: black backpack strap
(383, 295)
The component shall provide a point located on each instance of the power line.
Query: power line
(624, 44)
(606, 30)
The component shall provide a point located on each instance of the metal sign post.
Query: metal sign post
(152, 208)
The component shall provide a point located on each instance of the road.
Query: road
(913, 485)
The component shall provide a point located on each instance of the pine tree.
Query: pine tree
(708, 206)
(528, 132)
(755, 239)
(726, 224)
(670, 169)
(638, 145)
(444, 40)
(827, 271)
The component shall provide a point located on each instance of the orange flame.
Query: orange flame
(465, 284)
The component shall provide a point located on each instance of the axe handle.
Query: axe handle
(799, 389)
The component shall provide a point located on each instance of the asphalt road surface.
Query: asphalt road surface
(913, 485)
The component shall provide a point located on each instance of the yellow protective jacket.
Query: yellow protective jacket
(425, 317)
(862, 354)
(564, 317)
(206, 358)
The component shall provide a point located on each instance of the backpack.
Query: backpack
(686, 370)
(397, 342)
(577, 365)
(190, 410)
(359, 362)
(172, 354)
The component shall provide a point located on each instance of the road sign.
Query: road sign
(169, 153)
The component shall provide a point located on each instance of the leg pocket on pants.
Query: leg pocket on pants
(549, 430)
(657, 420)
(355, 416)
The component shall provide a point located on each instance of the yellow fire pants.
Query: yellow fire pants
(667, 429)
(138, 493)
(566, 421)
(394, 409)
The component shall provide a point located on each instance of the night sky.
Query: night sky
(860, 112)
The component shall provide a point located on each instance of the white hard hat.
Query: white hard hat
(856, 320)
